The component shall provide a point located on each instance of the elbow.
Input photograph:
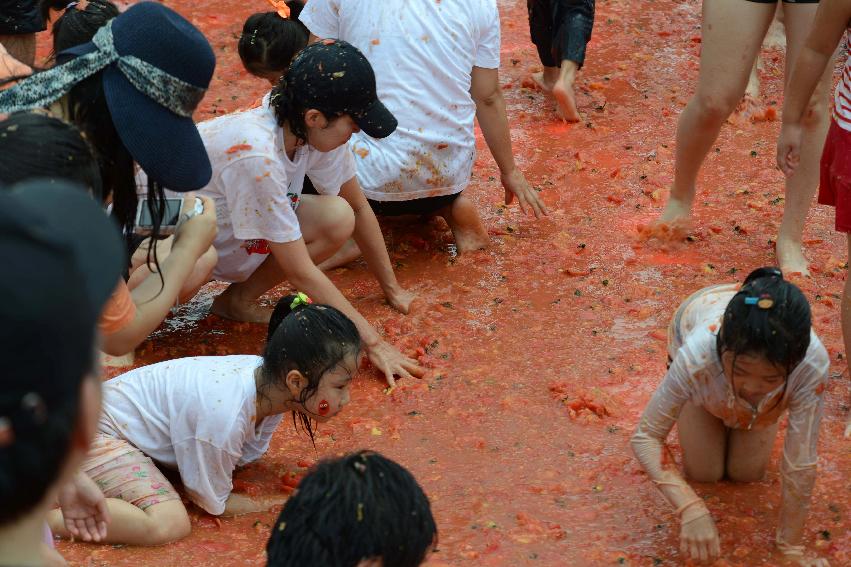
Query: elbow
(488, 100)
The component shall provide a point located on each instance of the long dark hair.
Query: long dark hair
(360, 506)
(769, 317)
(269, 42)
(33, 145)
(312, 339)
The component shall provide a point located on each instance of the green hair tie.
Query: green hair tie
(301, 299)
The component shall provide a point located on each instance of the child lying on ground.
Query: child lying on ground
(205, 416)
(740, 359)
(361, 510)
(270, 40)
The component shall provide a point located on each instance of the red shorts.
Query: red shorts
(835, 182)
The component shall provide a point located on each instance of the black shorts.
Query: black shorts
(426, 206)
(20, 17)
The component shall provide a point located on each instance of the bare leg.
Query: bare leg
(201, 273)
(563, 92)
(703, 439)
(547, 78)
(748, 453)
(157, 525)
(326, 224)
(348, 253)
(732, 36)
(846, 323)
(801, 187)
(467, 228)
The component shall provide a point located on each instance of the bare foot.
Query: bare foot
(676, 211)
(790, 258)
(566, 102)
(542, 83)
(752, 90)
(466, 225)
(349, 252)
(400, 299)
(226, 307)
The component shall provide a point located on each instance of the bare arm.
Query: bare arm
(154, 297)
(368, 236)
(830, 23)
(300, 270)
(490, 111)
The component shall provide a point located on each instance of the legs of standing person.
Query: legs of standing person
(140, 270)
(561, 30)
(573, 22)
(711, 451)
(802, 185)
(326, 223)
(732, 35)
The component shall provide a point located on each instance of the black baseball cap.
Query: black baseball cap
(334, 77)
(62, 258)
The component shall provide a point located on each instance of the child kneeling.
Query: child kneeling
(739, 360)
(206, 416)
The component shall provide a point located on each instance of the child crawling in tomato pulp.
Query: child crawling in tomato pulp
(206, 416)
(739, 360)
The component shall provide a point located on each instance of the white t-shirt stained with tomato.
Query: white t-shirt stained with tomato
(423, 53)
(257, 187)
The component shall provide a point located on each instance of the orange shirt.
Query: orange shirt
(119, 311)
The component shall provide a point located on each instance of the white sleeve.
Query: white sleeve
(206, 472)
(322, 18)
(488, 42)
(256, 195)
(329, 170)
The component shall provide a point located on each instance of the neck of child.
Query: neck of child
(21, 541)
(272, 399)
(291, 142)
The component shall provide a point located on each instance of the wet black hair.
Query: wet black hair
(290, 112)
(312, 339)
(779, 331)
(33, 144)
(269, 42)
(77, 26)
(358, 507)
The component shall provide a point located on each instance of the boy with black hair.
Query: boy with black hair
(358, 510)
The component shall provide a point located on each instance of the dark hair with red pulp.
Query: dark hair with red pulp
(779, 332)
(77, 26)
(269, 42)
(312, 339)
(362, 506)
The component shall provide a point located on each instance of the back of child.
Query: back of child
(360, 509)
(206, 416)
(270, 40)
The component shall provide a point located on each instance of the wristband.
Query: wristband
(679, 511)
(788, 549)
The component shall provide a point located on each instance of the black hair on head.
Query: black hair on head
(269, 42)
(78, 26)
(289, 111)
(362, 506)
(776, 328)
(312, 339)
(34, 145)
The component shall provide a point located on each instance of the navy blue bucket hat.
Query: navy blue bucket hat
(156, 67)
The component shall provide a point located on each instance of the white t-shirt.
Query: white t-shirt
(256, 187)
(193, 414)
(423, 53)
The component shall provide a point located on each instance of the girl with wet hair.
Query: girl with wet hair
(270, 40)
(740, 358)
(206, 416)
(357, 510)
